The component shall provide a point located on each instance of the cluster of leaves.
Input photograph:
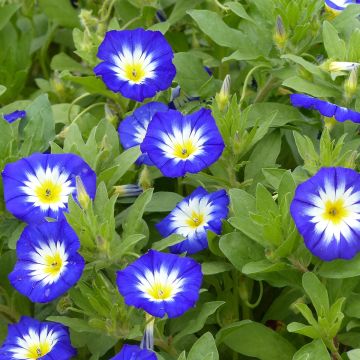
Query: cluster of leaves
(260, 281)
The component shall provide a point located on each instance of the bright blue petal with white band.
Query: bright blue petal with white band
(339, 5)
(31, 339)
(179, 144)
(133, 128)
(325, 108)
(137, 63)
(193, 217)
(48, 263)
(134, 352)
(39, 186)
(326, 211)
(161, 284)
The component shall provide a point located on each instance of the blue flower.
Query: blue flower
(137, 63)
(39, 186)
(178, 144)
(339, 5)
(193, 216)
(326, 211)
(161, 283)
(31, 339)
(134, 352)
(48, 263)
(325, 108)
(15, 115)
(133, 128)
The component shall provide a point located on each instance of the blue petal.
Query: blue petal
(134, 352)
(15, 115)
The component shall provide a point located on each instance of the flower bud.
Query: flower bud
(350, 85)
(145, 180)
(222, 98)
(329, 122)
(82, 195)
(280, 36)
(336, 66)
(127, 190)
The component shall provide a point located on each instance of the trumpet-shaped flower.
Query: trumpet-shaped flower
(133, 128)
(193, 216)
(15, 115)
(325, 108)
(161, 283)
(48, 263)
(31, 339)
(134, 352)
(137, 63)
(326, 211)
(178, 144)
(39, 186)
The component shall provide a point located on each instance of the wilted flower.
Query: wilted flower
(31, 339)
(15, 115)
(178, 144)
(39, 186)
(326, 211)
(137, 63)
(134, 352)
(325, 108)
(193, 217)
(161, 283)
(48, 263)
(133, 128)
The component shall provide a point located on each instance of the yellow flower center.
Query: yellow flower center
(37, 351)
(195, 220)
(335, 211)
(135, 72)
(48, 192)
(160, 291)
(53, 264)
(185, 149)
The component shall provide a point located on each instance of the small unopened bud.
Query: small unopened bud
(280, 36)
(336, 66)
(111, 115)
(145, 180)
(222, 98)
(82, 195)
(127, 190)
(350, 85)
(329, 122)
(147, 341)
(87, 19)
(237, 145)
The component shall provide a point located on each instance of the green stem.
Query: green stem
(264, 91)
(44, 50)
(88, 109)
(74, 102)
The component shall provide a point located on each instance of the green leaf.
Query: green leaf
(257, 341)
(334, 46)
(163, 201)
(354, 354)
(180, 9)
(2, 89)
(76, 324)
(312, 68)
(317, 293)
(239, 10)
(7, 11)
(172, 239)
(199, 319)
(204, 347)
(316, 350)
(306, 330)
(61, 12)
(340, 269)
(215, 267)
(63, 61)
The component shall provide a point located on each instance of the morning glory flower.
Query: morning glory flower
(134, 352)
(161, 283)
(339, 5)
(48, 263)
(39, 186)
(325, 108)
(326, 211)
(178, 144)
(137, 63)
(30, 339)
(15, 115)
(193, 217)
(133, 128)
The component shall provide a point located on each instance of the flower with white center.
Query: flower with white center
(132, 129)
(325, 108)
(336, 6)
(193, 217)
(30, 339)
(161, 283)
(326, 211)
(134, 352)
(48, 263)
(178, 144)
(137, 63)
(39, 186)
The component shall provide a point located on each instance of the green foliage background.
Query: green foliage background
(264, 296)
